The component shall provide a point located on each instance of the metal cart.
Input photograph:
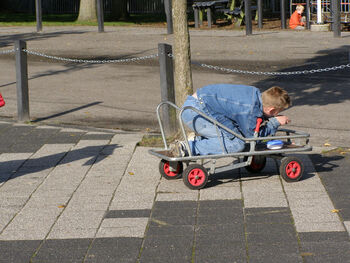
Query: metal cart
(253, 158)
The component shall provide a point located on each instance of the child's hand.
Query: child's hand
(283, 119)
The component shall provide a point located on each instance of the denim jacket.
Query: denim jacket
(237, 107)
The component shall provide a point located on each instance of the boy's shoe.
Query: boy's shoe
(178, 149)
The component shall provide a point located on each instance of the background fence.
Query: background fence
(72, 6)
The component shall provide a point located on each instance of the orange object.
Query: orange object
(2, 101)
(295, 20)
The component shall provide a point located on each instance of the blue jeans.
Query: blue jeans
(210, 139)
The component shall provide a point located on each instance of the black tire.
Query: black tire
(291, 169)
(195, 176)
(167, 173)
(257, 165)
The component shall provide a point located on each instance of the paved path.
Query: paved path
(88, 195)
(99, 95)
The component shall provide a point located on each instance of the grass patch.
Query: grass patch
(20, 19)
(155, 141)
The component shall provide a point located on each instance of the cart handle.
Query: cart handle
(258, 123)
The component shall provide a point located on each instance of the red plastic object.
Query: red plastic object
(169, 172)
(293, 169)
(2, 101)
(258, 123)
(196, 177)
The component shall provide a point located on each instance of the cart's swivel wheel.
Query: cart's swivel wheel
(257, 165)
(291, 169)
(169, 170)
(195, 176)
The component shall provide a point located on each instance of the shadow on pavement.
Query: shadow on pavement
(319, 88)
(66, 112)
(8, 40)
(28, 166)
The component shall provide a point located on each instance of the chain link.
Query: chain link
(91, 61)
(272, 73)
(3, 52)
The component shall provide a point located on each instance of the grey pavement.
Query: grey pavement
(75, 194)
(76, 187)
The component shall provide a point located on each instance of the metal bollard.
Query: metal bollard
(167, 86)
(39, 17)
(283, 14)
(248, 17)
(169, 17)
(22, 81)
(100, 17)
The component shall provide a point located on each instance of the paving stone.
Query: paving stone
(170, 230)
(172, 221)
(123, 227)
(18, 251)
(258, 199)
(128, 213)
(192, 196)
(326, 251)
(220, 203)
(67, 250)
(324, 236)
(164, 247)
(122, 249)
(270, 233)
(320, 227)
(175, 204)
(224, 193)
(235, 231)
(269, 215)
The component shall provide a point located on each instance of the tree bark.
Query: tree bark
(182, 53)
(120, 10)
(87, 10)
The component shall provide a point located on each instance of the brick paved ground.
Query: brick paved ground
(87, 195)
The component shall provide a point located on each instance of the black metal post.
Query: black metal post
(39, 17)
(167, 86)
(283, 14)
(336, 18)
(22, 81)
(248, 17)
(260, 14)
(307, 14)
(100, 16)
(169, 16)
(196, 17)
(209, 17)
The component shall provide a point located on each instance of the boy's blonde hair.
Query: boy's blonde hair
(300, 7)
(276, 97)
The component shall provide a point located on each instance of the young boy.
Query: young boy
(296, 20)
(235, 106)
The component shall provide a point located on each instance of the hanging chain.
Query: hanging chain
(212, 67)
(91, 61)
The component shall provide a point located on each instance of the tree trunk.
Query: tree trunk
(182, 53)
(120, 10)
(87, 10)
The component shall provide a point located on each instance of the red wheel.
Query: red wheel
(291, 169)
(170, 170)
(195, 176)
(257, 165)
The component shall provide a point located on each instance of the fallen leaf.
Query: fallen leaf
(61, 206)
(306, 254)
(131, 173)
(335, 210)
(342, 152)
(327, 144)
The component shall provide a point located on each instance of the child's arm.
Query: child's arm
(272, 125)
